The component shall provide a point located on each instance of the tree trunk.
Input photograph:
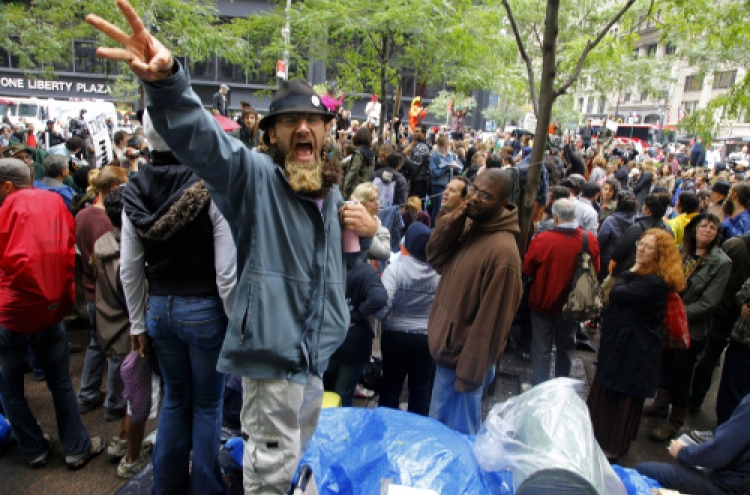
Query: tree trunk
(547, 99)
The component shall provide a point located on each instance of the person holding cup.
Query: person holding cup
(286, 215)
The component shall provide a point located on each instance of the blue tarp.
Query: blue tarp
(353, 449)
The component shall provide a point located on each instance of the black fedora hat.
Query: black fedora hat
(295, 96)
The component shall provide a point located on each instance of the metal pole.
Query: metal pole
(286, 33)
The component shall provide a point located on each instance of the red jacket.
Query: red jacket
(551, 261)
(37, 260)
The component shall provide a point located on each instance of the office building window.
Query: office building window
(85, 59)
(627, 97)
(690, 107)
(205, 70)
(602, 103)
(724, 80)
(229, 72)
(694, 83)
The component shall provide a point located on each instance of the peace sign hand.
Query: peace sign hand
(147, 57)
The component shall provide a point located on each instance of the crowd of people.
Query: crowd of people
(271, 257)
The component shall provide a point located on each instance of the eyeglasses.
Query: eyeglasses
(293, 119)
(483, 195)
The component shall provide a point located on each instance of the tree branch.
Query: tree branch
(538, 36)
(590, 46)
(525, 57)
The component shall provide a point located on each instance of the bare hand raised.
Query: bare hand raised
(147, 57)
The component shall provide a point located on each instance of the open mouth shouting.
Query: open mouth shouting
(303, 151)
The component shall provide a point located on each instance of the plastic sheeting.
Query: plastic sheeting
(635, 483)
(354, 451)
(4, 430)
(547, 427)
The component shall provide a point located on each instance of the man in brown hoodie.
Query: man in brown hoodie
(474, 250)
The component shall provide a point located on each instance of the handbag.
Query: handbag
(676, 330)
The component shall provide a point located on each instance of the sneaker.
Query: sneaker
(363, 393)
(125, 470)
(113, 414)
(117, 447)
(149, 441)
(90, 405)
(79, 460)
(701, 436)
(41, 459)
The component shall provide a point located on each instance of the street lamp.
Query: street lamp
(286, 33)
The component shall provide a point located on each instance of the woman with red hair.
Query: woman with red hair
(630, 351)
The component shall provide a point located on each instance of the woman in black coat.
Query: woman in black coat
(632, 339)
(366, 296)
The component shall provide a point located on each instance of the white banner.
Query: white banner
(97, 126)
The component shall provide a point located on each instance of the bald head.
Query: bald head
(500, 179)
(14, 171)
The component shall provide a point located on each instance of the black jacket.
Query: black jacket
(221, 104)
(365, 296)
(168, 205)
(624, 253)
(630, 349)
(574, 160)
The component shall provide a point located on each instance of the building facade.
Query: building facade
(686, 91)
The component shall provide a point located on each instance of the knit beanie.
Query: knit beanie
(415, 242)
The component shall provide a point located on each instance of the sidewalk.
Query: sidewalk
(99, 478)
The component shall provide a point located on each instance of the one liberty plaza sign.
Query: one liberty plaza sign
(54, 86)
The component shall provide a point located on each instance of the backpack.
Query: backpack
(585, 297)
(386, 185)
(37, 288)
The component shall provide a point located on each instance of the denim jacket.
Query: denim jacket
(290, 312)
(411, 285)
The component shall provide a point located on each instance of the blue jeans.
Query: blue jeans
(51, 349)
(461, 411)
(682, 479)
(187, 334)
(93, 369)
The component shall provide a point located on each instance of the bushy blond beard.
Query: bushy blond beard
(304, 177)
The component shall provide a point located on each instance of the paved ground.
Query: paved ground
(99, 477)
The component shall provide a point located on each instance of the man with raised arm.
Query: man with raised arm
(287, 216)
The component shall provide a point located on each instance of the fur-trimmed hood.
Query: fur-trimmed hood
(162, 198)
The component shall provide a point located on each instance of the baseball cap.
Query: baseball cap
(12, 150)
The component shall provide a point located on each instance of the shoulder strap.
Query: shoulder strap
(585, 249)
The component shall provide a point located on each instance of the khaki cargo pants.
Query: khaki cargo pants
(279, 418)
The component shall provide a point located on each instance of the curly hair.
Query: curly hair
(668, 264)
